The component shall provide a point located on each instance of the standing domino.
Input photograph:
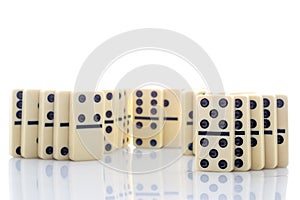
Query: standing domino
(46, 117)
(270, 125)
(16, 122)
(172, 118)
(187, 122)
(214, 126)
(282, 130)
(257, 132)
(29, 130)
(61, 126)
(86, 120)
(242, 133)
(148, 119)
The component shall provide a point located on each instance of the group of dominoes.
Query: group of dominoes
(225, 132)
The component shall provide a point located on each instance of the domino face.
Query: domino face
(46, 119)
(270, 130)
(257, 132)
(16, 122)
(110, 127)
(172, 118)
(61, 126)
(147, 118)
(242, 133)
(86, 140)
(214, 125)
(128, 114)
(29, 130)
(187, 122)
(282, 130)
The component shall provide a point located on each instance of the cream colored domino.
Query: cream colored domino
(147, 118)
(270, 131)
(128, 116)
(46, 121)
(61, 126)
(257, 132)
(282, 130)
(16, 122)
(172, 118)
(110, 127)
(187, 122)
(120, 113)
(29, 130)
(242, 133)
(86, 140)
(214, 126)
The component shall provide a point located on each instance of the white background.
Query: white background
(254, 45)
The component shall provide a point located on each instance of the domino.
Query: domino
(257, 132)
(61, 126)
(172, 118)
(29, 128)
(187, 123)
(270, 129)
(128, 114)
(242, 133)
(120, 118)
(110, 127)
(214, 126)
(282, 130)
(46, 119)
(16, 122)
(147, 118)
(86, 140)
(213, 185)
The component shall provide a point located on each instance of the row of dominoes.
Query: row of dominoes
(227, 132)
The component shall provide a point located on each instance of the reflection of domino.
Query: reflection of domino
(270, 182)
(61, 180)
(212, 185)
(282, 180)
(172, 181)
(45, 178)
(242, 184)
(257, 185)
(81, 173)
(187, 177)
(30, 181)
(15, 186)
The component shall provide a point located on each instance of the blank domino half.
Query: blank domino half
(214, 126)
(257, 132)
(282, 130)
(270, 125)
(61, 126)
(187, 122)
(172, 118)
(86, 126)
(242, 133)
(46, 117)
(29, 130)
(147, 118)
(16, 122)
